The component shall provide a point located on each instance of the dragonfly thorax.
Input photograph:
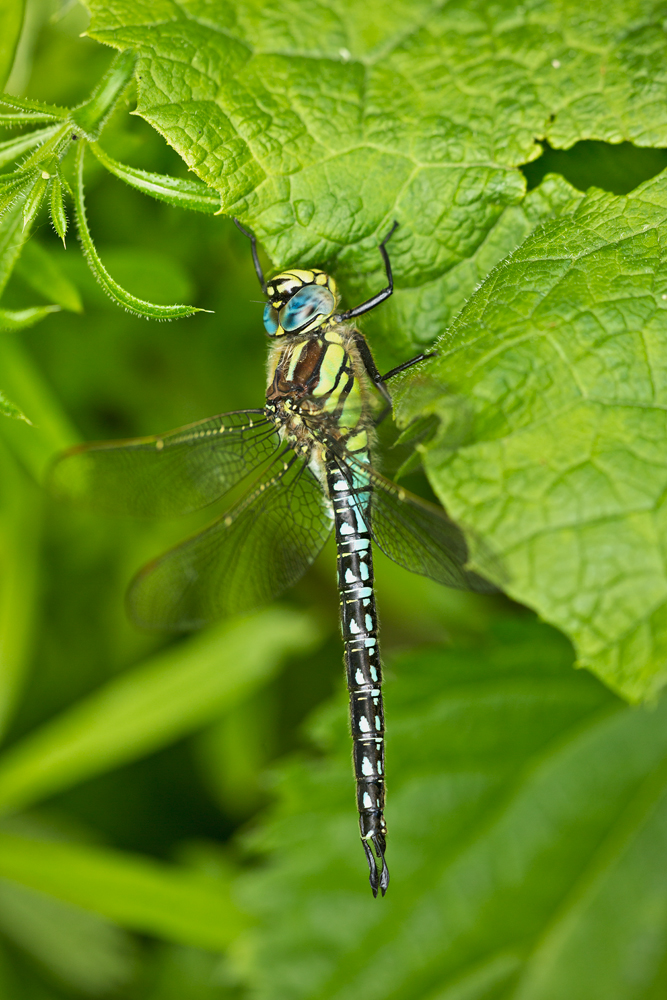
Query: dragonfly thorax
(314, 391)
(300, 301)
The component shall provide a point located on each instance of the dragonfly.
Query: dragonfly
(307, 458)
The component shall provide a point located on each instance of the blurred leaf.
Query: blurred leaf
(187, 972)
(320, 127)
(20, 534)
(79, 947)
(11, 149)
(527, 843)
(173, 190)
(41, 269)
(176, 692)
(20, 319)
(11, 20)
(561, 356)
(34, 446)
(12, 238)
(9, 409)
(135, 892)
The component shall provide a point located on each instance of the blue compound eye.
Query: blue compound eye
(270, 319)
(309, 302)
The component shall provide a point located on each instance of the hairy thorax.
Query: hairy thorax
(316, 392)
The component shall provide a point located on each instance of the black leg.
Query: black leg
(370, 366)
(386, 292)
(408, 364)
(255, 258)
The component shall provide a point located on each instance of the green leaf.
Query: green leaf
(19, 319)
(561, 357)
(20, 538)
(36, 107)
(10, 193)
(174, 190)
(9, 409)
(130, 302)
(177, 692)
(136, 892)
(25, 118)
(50, 429)
(11, 149)
(41, 269)
(11, 21)
(80, 948)
(91, 116)
(527, 816)
(12, 238)
(57, 207)
(318, 129)
(33, 200)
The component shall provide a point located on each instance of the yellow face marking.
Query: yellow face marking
(329, 369)
(321, 278)
(305, 277)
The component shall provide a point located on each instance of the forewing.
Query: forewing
(254, 552)
(418, 535)
(168, 474)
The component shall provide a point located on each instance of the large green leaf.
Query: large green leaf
(319, 130)
(527, 815)
(562, 469)
(320, 126)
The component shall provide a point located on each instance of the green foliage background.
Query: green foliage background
(178, 815)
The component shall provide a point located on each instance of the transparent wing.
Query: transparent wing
(255, 551)
(416, 534)
(168, 474)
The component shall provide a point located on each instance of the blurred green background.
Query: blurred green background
(193, 796)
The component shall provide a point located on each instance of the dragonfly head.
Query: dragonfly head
(299, 302)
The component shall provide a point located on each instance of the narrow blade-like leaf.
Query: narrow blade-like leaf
(57, 207)
(176, 191)
(9, 409)
(11, 149)
(136, 892)
(149, 310)
(26, 104)
(18, 319)
(177, 692)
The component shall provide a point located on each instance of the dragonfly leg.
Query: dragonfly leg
(408, 364)
(395, 371)
(386, 292)
(255, 258)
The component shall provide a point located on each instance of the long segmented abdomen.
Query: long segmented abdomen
(351, 505)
